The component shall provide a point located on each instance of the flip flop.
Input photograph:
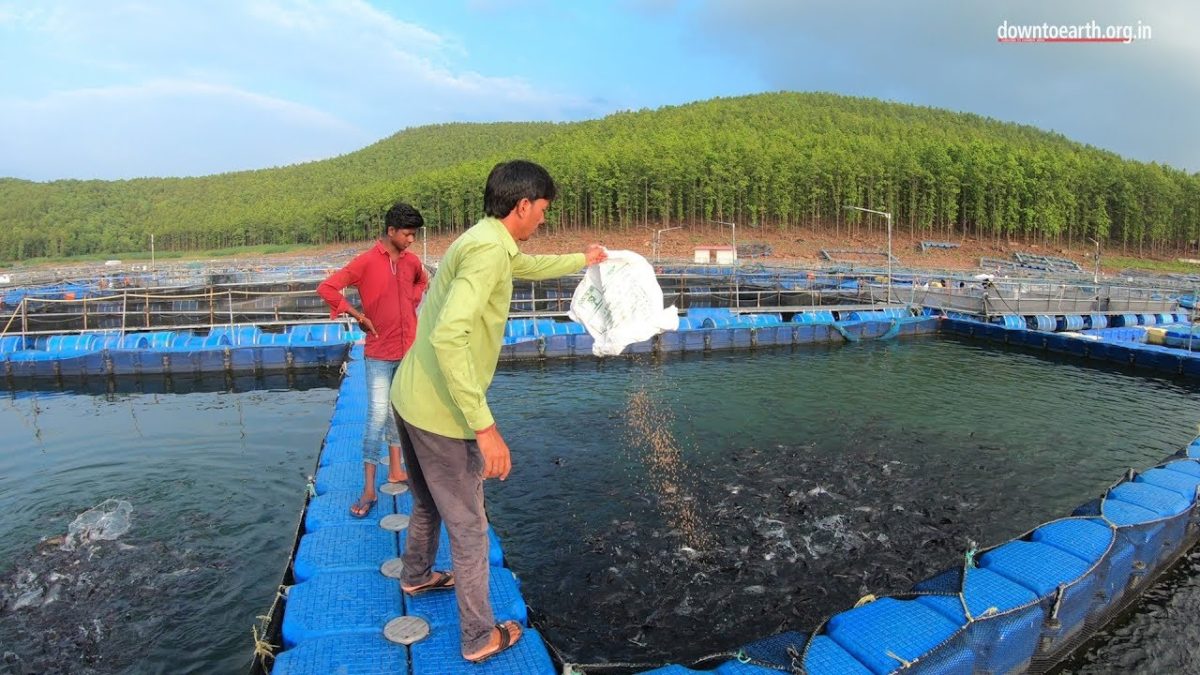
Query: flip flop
(362, 508)
(510, 632)
(442, 581)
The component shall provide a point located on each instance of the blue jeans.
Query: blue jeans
(381, 423)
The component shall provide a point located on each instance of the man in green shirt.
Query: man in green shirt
(447, 434)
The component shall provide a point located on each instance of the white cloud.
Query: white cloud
(261, 83)
(151, 130)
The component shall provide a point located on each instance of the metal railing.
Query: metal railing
(128, 311)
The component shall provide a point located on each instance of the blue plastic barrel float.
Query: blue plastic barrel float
(1097, 321)
(1071, 322)
(1041, 322)
(875, 315)
(818, 317)
(235, 335)
(12, 343)
(71, 343)
(159, 339)
(761, 319)
(1012, 321)
(518, 328)
(321, 332)
(567, 328)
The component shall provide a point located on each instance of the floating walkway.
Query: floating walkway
(718, 329)
(248, 349)
(346, 572)
(1157, 342)
(230, 349)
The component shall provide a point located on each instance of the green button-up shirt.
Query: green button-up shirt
(442, 383)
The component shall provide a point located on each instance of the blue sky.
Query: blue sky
(117, 89)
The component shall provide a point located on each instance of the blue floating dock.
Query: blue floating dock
(361, 547)
(441, 609)
(337, 603)
(439, 654)
(334, 615)
(229, 349)
(352, 654)
(332, 508)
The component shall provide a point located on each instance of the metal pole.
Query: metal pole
(151, 250)
(889, 226)
(657, 240)
(736, 264)
(888, 216)
(1192, 317)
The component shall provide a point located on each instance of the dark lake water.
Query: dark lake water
(658, 510)
(664, 510)
(213, 480)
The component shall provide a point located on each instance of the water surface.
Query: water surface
(214, 483)
(661, 510)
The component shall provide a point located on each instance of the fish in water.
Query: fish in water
(86, 602)
(795, 535)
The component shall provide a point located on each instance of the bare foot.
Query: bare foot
(398, 475)
(504, 635)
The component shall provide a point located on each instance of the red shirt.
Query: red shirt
(389, 292)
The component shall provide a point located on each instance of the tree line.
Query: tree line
(783, 160)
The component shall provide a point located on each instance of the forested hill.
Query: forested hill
(776, 160)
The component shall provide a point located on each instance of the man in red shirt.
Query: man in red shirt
(390, 283)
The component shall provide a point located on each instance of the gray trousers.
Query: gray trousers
(445, 476)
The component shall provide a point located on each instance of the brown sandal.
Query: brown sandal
(440, 581)
(510, 632)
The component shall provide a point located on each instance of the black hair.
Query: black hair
(402, 216)
(510, 182)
